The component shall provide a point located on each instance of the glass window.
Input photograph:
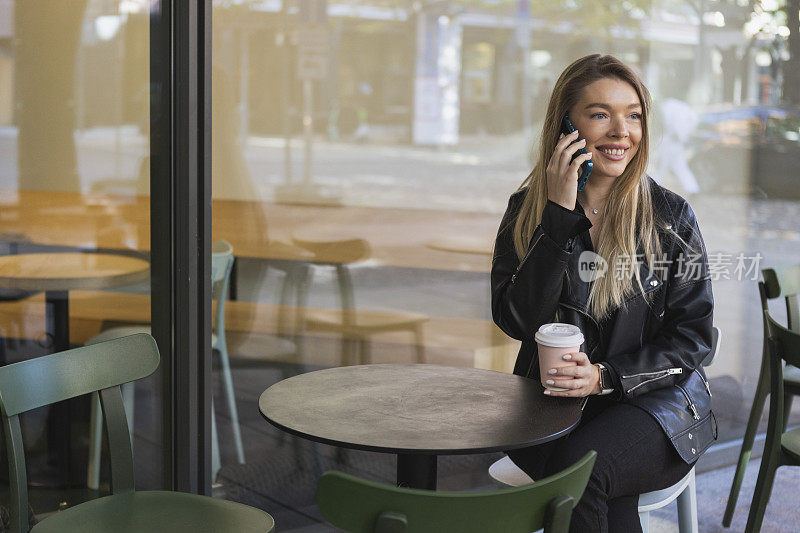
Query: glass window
(364, 153)
(75, 221)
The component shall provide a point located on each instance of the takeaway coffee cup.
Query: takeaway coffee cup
(555, 340)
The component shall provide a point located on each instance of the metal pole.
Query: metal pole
(180, 62)
(287, 134)
(244, 89)
(308, 127)
(526, 83)
(524, 42)
(119, 98)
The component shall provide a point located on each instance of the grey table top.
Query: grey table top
(418, 409)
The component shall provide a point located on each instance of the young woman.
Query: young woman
(646, 319)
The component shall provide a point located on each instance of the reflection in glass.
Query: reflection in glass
(403, 128)
(74, 220)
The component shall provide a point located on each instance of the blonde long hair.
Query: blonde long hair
(629, 215)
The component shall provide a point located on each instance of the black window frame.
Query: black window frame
(180, 237)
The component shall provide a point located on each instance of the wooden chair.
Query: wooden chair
(221, 264)
(279, 349)
(103, 368)
(778, 282)
(362, 506)
(505, 471)
(781, 447)
(355, 326)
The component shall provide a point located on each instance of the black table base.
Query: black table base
(416, 471)
(57, 319)
(59, 418)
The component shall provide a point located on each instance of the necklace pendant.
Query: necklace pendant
(594, 211)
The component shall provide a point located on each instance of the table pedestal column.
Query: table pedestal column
(416, 471)
(57, 319)
(59, 418)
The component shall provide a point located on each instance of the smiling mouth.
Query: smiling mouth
(614, 154)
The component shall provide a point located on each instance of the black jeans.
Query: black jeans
(634, 456)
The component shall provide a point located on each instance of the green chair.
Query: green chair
(221, 265)
(782, 447)
(778, 282)
(361, 506)
(103, 368)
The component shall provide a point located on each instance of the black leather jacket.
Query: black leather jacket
(653, 345)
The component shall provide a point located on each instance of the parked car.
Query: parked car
(753, 150)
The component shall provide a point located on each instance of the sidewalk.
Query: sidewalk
(782, 514)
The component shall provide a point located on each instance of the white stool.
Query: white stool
(684, 492)
(505, 471)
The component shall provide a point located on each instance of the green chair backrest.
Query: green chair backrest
(785, 282)
(783, 344)
(362, 506)
(53, 378)
(221, 267)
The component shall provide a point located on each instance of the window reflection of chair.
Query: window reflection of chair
(260, 349)
(779, 282)
(355, 326)
(221, 264)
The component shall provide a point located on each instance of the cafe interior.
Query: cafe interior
(245, 255)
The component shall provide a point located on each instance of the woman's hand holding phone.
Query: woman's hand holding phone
(562, 176)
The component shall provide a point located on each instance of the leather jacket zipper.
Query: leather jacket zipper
(527, 255)
(692, 408)
(704, 383)
(660, 374)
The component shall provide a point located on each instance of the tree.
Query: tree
(779, 14)
(791, 67)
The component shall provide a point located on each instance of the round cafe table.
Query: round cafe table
(418, 412)
(57, 274)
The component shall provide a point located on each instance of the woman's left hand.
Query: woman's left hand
(582, 379)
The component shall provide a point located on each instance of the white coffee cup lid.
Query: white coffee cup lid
(559, 335)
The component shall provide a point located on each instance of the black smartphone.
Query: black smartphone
(568, 127)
